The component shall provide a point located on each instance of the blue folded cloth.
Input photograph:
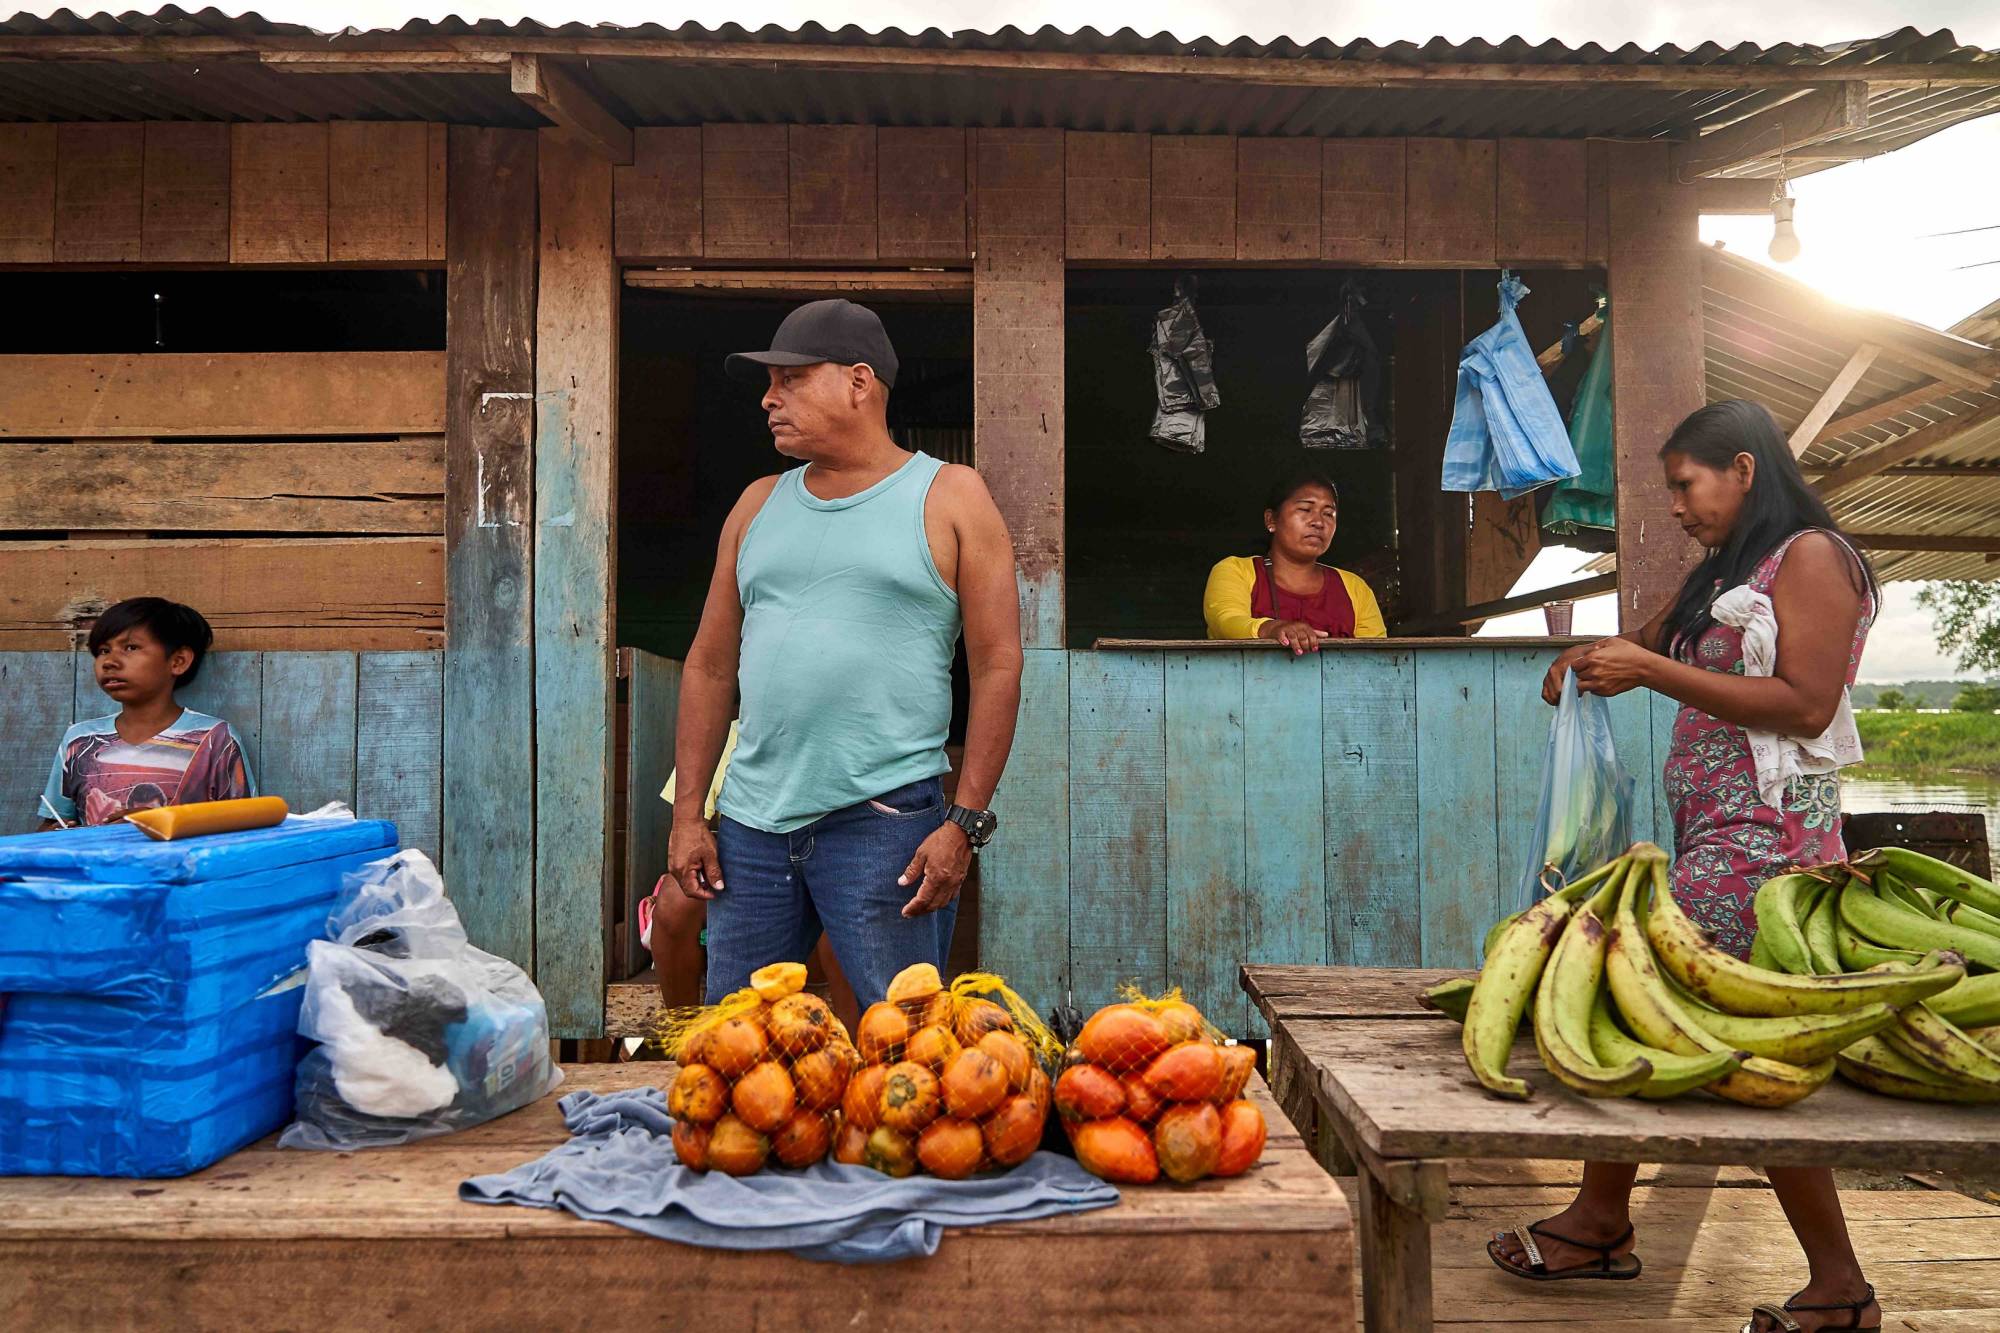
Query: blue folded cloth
(619, 1166)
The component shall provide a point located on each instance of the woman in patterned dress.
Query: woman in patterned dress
(1736, 490)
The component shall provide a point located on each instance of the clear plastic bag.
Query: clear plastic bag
(420, 1033)
(1585, 816)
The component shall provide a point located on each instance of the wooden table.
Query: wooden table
(1381, 1088)
(319, 1242)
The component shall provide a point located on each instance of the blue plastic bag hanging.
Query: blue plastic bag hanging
(1585, 817)
(1589, 500)
(1506, 433)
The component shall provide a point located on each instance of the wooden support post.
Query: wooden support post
(489, 702)
(578, 113)
(1657, 379)
(575, 530)
(1395, 1262)
(1836, 394)
(1017, 366)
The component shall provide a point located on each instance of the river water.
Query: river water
(1959, 792)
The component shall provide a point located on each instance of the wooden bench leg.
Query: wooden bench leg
(1395, 1262)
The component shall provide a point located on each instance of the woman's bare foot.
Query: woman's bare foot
(1578, 1223)
(1839, 1292)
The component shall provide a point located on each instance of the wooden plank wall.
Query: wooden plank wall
(1372, 807)
(361, 728)
(92, 447)
(157, 192)
(576, 482)
(489, 670)
(862, 194)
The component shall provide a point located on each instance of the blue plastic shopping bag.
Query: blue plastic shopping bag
(1506, 432)
(1585, 818)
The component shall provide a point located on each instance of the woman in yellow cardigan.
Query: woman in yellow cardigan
(1286, 594)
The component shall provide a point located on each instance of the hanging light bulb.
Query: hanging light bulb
(1784, 239)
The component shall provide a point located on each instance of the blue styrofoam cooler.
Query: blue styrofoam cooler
(146, 1032)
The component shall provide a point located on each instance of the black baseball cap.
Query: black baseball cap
(838, 331)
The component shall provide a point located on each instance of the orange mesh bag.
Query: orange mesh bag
(762, 1076)
(1151, 1088)
(953, 1080)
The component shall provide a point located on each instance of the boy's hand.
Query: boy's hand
(693, 861)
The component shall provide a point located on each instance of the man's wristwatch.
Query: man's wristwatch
(978, 824)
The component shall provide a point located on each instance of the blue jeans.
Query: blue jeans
(838, 873)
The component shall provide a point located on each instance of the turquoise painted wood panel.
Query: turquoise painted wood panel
(40, 694)
(1284, 817)
(1663, 711)
(1117, 828)
(231, 686)
(1368, 747)
(1520, 752)
(1632, 730)
(1024, 873)
(1207, 928)
(398, 761)
(1455, 800)
(652, 707)
(308, 720)
(89, 701)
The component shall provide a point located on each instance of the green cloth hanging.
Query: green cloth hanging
(1589, 499)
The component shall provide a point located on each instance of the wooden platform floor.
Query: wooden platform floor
(1714, 1243)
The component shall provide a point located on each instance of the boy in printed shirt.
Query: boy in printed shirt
(152, 752)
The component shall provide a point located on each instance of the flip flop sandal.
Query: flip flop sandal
(1607, 1268)
(1781, 1316)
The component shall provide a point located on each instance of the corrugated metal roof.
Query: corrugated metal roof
(1772, 339)
(651, 94)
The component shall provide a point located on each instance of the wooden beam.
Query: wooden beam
(1550, 357)
(1876, 413)
(1921, 541)
(1733, 196)
(258, 394)
(576, 110)
(1866, 464)
(1836, 394)
(951, 286)
(136, 485)
(1976, 379)
(576, 577)
(1819, 114)
(489, 685)
(1575, 590)
(376, 53)
(338, 594)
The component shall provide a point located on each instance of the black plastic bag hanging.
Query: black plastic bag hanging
(1183, 374)
(1341, 410)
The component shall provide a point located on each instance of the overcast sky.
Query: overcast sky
(1867, 227)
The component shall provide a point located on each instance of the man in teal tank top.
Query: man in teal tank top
(840, 591)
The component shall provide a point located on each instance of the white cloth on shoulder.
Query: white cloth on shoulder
(1779, 759)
